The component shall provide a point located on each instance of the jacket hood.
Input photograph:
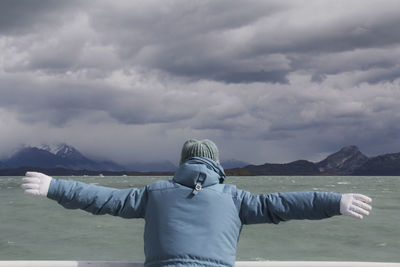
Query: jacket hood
(199, 172)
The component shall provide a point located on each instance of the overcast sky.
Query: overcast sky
(268, 81)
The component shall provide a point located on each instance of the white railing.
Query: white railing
(238, 264)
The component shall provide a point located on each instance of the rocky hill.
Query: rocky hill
(388, 164)
(299, 167)
(233, 163)
(343, 162)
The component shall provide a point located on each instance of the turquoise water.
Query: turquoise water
(35, 228)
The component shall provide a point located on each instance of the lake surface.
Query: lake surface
(36, 228)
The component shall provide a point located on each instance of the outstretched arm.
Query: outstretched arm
(127, 203)
(277, 207)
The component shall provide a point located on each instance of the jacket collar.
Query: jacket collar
(199, 172)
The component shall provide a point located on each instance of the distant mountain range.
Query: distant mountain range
(66, 157)
(347, 161)
(63, 159)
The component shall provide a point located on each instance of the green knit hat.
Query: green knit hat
(199, 148)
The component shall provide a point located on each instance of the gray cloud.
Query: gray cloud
(278, 80)
(222, 41)
(24, 16)
(59, 101)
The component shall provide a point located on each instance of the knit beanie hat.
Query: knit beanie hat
(199, 148)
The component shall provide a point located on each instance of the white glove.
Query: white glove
(36, 183)
(355, 205)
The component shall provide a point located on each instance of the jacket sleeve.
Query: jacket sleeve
(126, 203)
(277, 207)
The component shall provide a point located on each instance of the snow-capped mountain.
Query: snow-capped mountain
(53, 156)
(65, 151)
(53, 148)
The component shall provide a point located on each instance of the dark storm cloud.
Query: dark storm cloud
(60, 102)
(191, 41)
(233, 42)
(24, 16)
(290, 78)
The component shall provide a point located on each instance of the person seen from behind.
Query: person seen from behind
(195, 219)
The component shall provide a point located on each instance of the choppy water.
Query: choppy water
(33, 228)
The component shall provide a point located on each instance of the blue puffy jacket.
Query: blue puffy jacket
(193, 219)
